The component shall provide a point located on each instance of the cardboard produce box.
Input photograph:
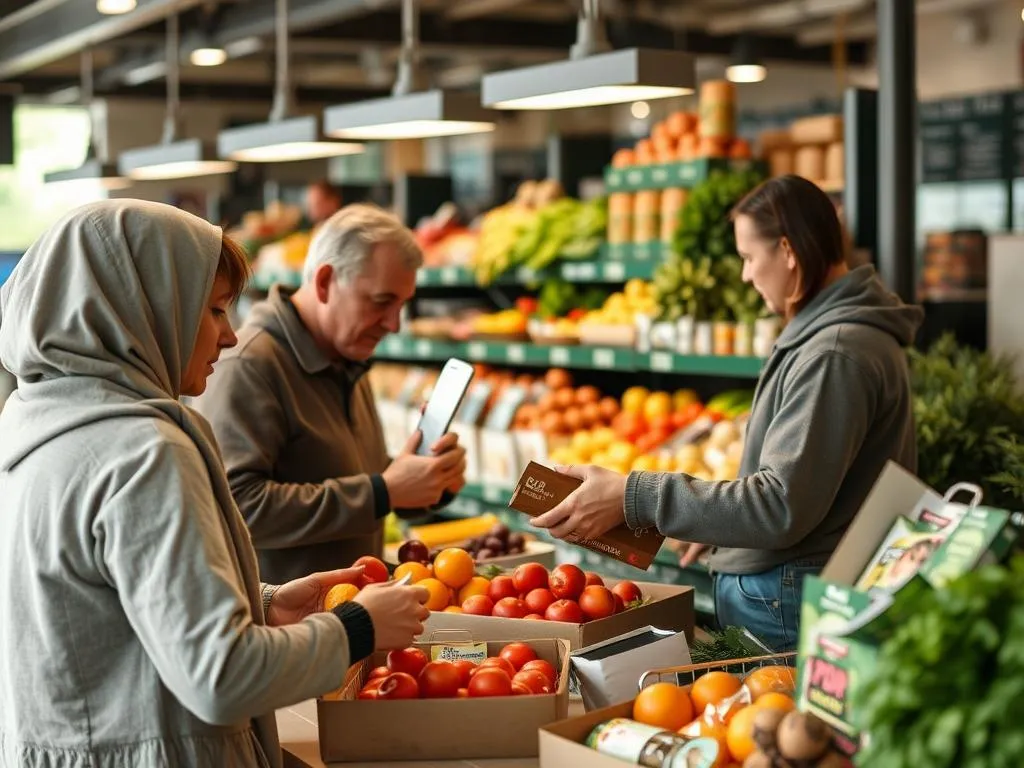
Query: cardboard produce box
(563, 743)
(671, 608)
(353, 730)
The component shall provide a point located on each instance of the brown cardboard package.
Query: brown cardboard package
(671, 608)
(354, 730)
(541, 489)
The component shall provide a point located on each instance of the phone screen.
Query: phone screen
(444, 402)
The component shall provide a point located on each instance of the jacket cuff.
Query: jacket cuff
(641, 501)
(381, 497)
(446, 498)
(359, 628)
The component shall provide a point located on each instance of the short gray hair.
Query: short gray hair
(347, 239)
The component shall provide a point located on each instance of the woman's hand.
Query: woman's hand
(593, 509)
(297, 599)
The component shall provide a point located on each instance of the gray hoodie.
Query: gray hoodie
(131, 621)
(833, 405)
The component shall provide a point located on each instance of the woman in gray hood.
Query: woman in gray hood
(134, 629)
(832, 407)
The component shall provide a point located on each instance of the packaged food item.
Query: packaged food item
(834, 162)
(651, 747)
(672, 202)
(717, 110)
(646, 216)
(809, 162)
(901, 555)
(780, 162)
(620, 218)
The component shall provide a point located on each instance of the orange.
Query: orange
(453, 609)
(338, 594)
(776, 700)
(663, 705)
(478, 585)
(438, 594)
(454, 567)
(633, 400)
(657, 404)
(711, 688)
(416, 571)
(767, 679)
(740, 737)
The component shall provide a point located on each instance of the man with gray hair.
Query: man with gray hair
(295, 416)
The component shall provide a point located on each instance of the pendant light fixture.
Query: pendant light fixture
(286, 136)
(95, 170)
(410, 112)
(172, 158)
(745, 66)
(594, 75)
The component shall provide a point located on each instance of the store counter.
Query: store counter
(300, 742)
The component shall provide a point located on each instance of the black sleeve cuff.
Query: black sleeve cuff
(381, 497)
(359, 628)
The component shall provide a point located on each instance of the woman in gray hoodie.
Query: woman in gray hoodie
(832, 407)
(134, 630)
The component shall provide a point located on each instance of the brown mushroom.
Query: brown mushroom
(766, 726)
(757, 760)
(803, 736)
(833, 760)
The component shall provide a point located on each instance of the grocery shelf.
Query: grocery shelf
(403, 347)
(618, 264)
(669, 175)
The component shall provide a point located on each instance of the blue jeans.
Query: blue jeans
(767, 604)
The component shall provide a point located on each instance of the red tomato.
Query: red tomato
(494, 661)
(593, 579)
(564, 610)
(502, 587)
(440, 680)
(619, 605)
(518, 689)
(627, 592)
(374, 571)
(369, 690)
(692, 412)
(463, 693)
(465, 668)
(530, 576)
(510, 608)
(544, 667)
(533, 617)
(378, 672)
(490, 682)
(538, 600)
(478, 605)
(411, 661)
(398, 685)
(597, 603)
(567, 582)
(517, 654)
(534, 680)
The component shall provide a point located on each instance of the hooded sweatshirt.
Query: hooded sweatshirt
(832, 407)
(132, 630)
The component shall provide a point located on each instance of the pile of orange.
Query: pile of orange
(450, 580)
(719, 706)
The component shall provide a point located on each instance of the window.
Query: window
(46, 139)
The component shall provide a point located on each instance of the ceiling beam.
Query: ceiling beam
(865, 26)
(781, 14)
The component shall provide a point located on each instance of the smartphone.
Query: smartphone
(444, 403)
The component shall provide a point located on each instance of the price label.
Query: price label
(634, 178)
(687, 172)
(424, 348)
(449, 276)
(613, 178)
(569, 272)
(586, 271)
(476, 350)
(661, 361)
(559, 356)
(615, 271)
(422, 276)
(475, 652)
(659, 175)
(526, 275)
(516, 353)
(604, 358)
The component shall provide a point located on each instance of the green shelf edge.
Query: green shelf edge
(578, 357)
(684, 175)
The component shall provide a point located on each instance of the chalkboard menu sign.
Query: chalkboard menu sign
(967, 139)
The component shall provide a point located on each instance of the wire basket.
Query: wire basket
(687, 674)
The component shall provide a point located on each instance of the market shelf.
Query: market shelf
(618, 264)
(402, 347)
(668, 175)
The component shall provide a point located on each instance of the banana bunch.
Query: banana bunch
(499, 232)
(685, 288)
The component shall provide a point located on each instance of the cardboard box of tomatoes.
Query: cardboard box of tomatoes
(566, 602)
(447, 700)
